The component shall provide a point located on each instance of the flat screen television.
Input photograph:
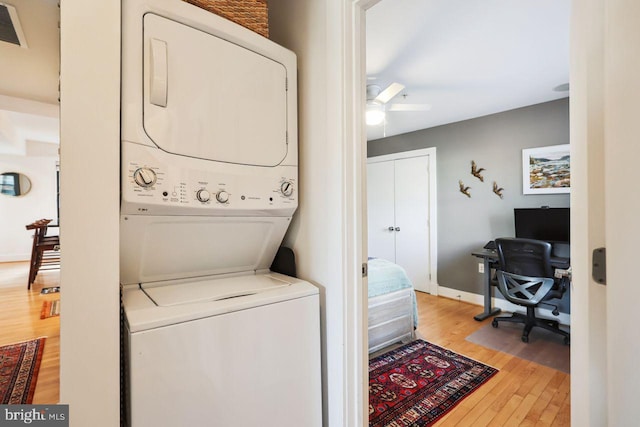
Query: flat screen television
(548, 224)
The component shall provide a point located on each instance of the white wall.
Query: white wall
(89, 168)
(326, 233)
(315, 232)
(588, 301)
(605, 130)
(16, 212)
(621, 153)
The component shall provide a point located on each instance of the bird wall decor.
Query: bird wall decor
(464, 190)
(476, 172)
(497, 190)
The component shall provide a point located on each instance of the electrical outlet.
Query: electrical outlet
(480, 267)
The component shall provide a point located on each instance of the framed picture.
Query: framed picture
(546, 170)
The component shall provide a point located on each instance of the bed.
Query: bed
(393, 313)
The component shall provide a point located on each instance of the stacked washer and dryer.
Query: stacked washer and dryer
(209, 186)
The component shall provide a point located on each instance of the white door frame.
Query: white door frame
(356, 374)
(621, 206)
(356, 397)
(433, 211)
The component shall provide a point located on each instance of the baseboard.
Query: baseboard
(15, 257)
(504, 305)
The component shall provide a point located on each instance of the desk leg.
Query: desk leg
(488, 311)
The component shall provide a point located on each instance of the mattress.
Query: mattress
(385, 277)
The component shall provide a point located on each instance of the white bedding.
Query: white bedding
(385, 277)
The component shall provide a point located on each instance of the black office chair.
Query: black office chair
(526, 278)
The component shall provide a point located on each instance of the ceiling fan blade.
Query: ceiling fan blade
(392, 90)
(409, 107)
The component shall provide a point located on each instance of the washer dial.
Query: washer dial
(203, 195)
(222, 196)
(144, 177)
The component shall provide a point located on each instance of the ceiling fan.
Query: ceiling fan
(377, 100)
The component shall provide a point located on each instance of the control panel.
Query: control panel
(155, 185)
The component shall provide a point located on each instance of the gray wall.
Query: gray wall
(495, 142)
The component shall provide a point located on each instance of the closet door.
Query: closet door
(380, 210)
(411, 179)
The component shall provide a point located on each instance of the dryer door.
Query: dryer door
(207, 98)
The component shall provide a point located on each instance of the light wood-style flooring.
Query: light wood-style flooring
(523, 393)
(20, 321)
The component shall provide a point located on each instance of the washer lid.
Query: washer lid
(143, 314)
(193, 291)
(208, 98)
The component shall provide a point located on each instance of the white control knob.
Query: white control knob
(287, 188)
(222, 196)
(203, 195)
(144, 177)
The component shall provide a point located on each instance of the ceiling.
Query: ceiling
(459, 59)
(462, 59)
(29, 83)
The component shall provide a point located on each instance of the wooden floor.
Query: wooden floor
(523, 393)
(20, 321)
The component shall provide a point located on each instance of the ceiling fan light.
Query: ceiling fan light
(374, 117)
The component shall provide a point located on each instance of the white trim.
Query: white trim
(355, 402)
(504, 305)
(356, 394)
(433, 205)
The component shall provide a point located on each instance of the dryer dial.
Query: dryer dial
(286, 188)
(145, 177)
(203, 195)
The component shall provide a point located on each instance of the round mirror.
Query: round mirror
(14, 184)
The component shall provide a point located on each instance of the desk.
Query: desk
(490, 259)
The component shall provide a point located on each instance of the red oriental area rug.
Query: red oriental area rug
(419, 382)
(19, 366)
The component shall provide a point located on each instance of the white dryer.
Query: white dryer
(209, 186)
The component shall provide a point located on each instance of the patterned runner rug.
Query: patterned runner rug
(417, 383)
(19, 365)
(50, 309)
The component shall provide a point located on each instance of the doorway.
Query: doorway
(29, 149)
(470, 220)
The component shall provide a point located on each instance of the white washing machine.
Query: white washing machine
(209, 186)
